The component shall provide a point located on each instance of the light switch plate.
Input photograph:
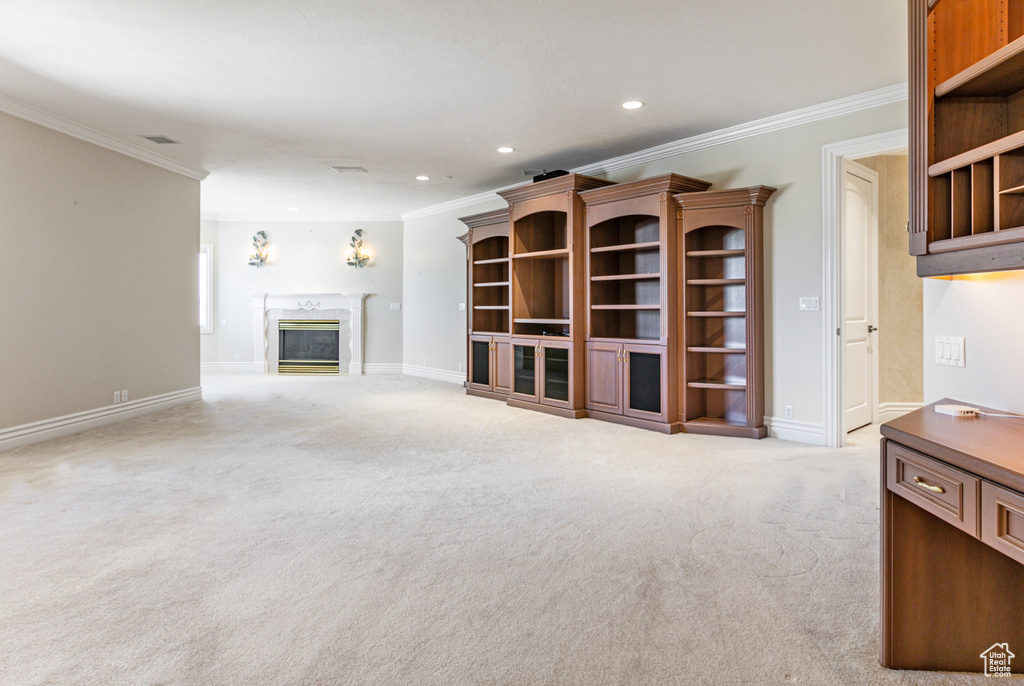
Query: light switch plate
(809, 304)
(950, 351)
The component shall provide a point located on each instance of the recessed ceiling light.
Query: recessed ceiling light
(506, 149)
(422, 178)
(632, 104)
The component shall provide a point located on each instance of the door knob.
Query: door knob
(872, 329)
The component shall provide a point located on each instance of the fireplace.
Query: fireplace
(343, 312)
(307, 346)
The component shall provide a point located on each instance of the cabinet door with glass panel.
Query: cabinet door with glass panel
(541, 372)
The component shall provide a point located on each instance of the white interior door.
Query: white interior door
(860, 299)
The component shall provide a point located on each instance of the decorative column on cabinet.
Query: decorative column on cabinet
(721, 326)
(488, 363)
(632, 350)
(548, 310)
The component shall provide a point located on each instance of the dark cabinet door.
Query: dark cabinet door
(556, 377)
(524, 369)
(480, 363)
(645, 377)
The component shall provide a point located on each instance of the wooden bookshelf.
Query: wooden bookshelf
(722, 381)
(631, 340)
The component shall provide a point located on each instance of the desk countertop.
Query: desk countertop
(991, 447)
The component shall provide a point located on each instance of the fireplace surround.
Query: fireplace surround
(348, 309)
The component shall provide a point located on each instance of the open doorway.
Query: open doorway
(873, 297)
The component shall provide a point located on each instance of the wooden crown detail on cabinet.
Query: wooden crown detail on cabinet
(636, 303)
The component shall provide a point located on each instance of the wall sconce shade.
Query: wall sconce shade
(259, 245)
(356, 257)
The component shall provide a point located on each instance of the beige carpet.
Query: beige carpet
(384, 530)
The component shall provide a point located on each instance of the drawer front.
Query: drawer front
(1002, 520)
(946, 492)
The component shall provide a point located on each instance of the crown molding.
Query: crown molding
(298, 219)
(759, 127)
(84, 133)
(451, 205)
(807, 115)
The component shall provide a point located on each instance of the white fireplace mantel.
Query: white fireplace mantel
(261, 303)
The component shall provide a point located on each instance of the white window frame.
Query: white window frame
(206, 323)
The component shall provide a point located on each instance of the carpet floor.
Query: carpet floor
(392, 530)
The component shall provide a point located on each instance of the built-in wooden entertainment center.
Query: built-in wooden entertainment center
(637, 303)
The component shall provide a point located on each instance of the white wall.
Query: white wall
(986, 310)
(98, 276)
(305, 257)
(790, 160)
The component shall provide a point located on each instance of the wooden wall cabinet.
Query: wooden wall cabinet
(547, 304)
(488, 368)
(966, 135)
(721, 325)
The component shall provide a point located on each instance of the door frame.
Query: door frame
(833, 184)
(850, 166)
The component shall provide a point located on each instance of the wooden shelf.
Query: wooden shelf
(490, 284)
(716, 314)
(996, 76)
(608, 339)
(716, 351)
(626, 277)
(716, 253)
(625, 307)
(490, 333)
(497, 260)
(713, 384)
(1017, 190)
(540, 321)
(490, 307)
(1003, 145)
(1014, 235)
(715, 282)
(559, 252)
(628, 247)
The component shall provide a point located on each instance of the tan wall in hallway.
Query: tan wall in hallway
(900, 291)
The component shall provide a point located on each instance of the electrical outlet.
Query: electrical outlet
(462, 367)
(462, 307)
(396, 306)
(124, 395)
(223, 322)
(789, 411)
(236, 358)
(117, 396)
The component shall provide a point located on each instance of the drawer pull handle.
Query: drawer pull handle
(924, 484)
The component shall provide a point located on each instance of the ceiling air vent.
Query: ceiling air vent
(346, 170)
(161, 140)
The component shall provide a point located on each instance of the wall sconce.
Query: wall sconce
(258, 258)
(356, 256)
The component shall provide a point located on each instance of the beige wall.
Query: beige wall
(986, 310)
(900, 291)
(305, 257)
(98, 276)
(790, 160)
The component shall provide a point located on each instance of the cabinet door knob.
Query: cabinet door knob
(924, 484)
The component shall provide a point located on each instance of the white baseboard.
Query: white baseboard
(246, 367)
(889, 411)
(436, 374)
(46, 429)
(382, 368)
(791, 430)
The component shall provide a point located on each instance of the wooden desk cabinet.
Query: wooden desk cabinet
(952, 540)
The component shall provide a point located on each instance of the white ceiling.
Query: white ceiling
(267, 95)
